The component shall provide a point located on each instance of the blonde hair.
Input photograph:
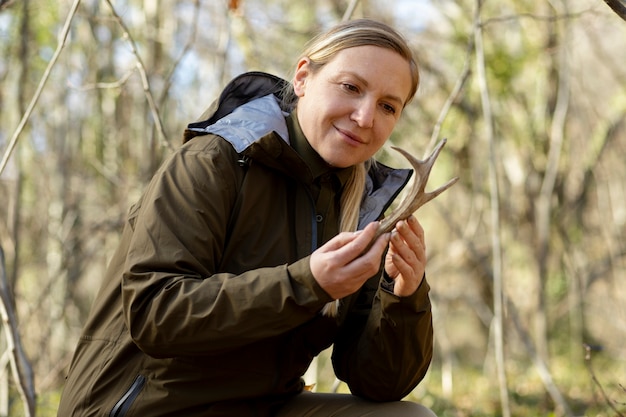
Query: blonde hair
(320, 51)
(360, 32)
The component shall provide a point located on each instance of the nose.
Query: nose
(363, 113)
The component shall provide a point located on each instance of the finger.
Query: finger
(407, 250)
(367, 263)
(339, 241)
(409, 271)
(411, 226)
(401, 251)
(413, 234)
(405, 241)
(417, 228)
(351, 241)
(358, 242)
(380, 244)
(345, 251)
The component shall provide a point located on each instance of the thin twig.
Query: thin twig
(20, 366)
(185, 50)
(454, 94)
(349, 11)
(61, 43)
(494, 193)
(540, 365)
(588, 350)
(115, 84)
(543, 207)
(531, 16)
(144, 76)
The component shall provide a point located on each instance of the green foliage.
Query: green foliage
(474, 393)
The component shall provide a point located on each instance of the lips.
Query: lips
(351, 137)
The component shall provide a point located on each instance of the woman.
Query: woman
(241, 263)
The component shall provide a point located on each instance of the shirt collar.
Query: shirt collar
(314, 161)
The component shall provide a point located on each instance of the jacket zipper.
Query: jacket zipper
(121, 407)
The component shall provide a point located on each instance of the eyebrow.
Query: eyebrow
(365, 83)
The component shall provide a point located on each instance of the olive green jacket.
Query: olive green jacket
(209, 306)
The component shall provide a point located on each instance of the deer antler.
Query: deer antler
(415, 199)
(417, 196)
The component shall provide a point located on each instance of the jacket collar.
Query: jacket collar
(314, 161)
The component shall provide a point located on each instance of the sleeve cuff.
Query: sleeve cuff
(300, 271)
(387, 283)
(419, 299)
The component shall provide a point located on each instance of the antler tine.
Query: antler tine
(417, 196)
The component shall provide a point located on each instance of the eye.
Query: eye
(388, 108)
(350, 87)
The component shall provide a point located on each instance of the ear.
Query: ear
(299, 78)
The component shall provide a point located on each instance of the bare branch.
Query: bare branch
(498, 313)
(531, 16)
(20, 366)
(350, 10)
(611, 404)
(456, 91)
(61, 43)
(115, 84)
(540, 364)
(144, 76)
(192, 39)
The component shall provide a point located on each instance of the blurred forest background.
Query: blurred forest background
(527, 253)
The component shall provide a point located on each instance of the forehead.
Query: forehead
(380, 68)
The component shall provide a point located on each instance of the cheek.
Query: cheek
(384, 132)
(309, 122)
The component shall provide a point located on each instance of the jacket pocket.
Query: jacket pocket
(123, 405)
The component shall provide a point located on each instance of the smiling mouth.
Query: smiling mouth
(350, 136)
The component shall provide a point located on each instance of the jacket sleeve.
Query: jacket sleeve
(385, 345)
(174, 302)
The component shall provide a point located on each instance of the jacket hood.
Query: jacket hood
(242, 89)
(249, 122)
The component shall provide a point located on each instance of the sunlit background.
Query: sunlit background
(526, 253)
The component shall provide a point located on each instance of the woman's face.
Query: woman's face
(348, 108)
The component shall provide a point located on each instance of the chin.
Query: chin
(342, 158)
(340, 163)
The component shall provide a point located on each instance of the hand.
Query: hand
(406, 259)
(339, 266)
